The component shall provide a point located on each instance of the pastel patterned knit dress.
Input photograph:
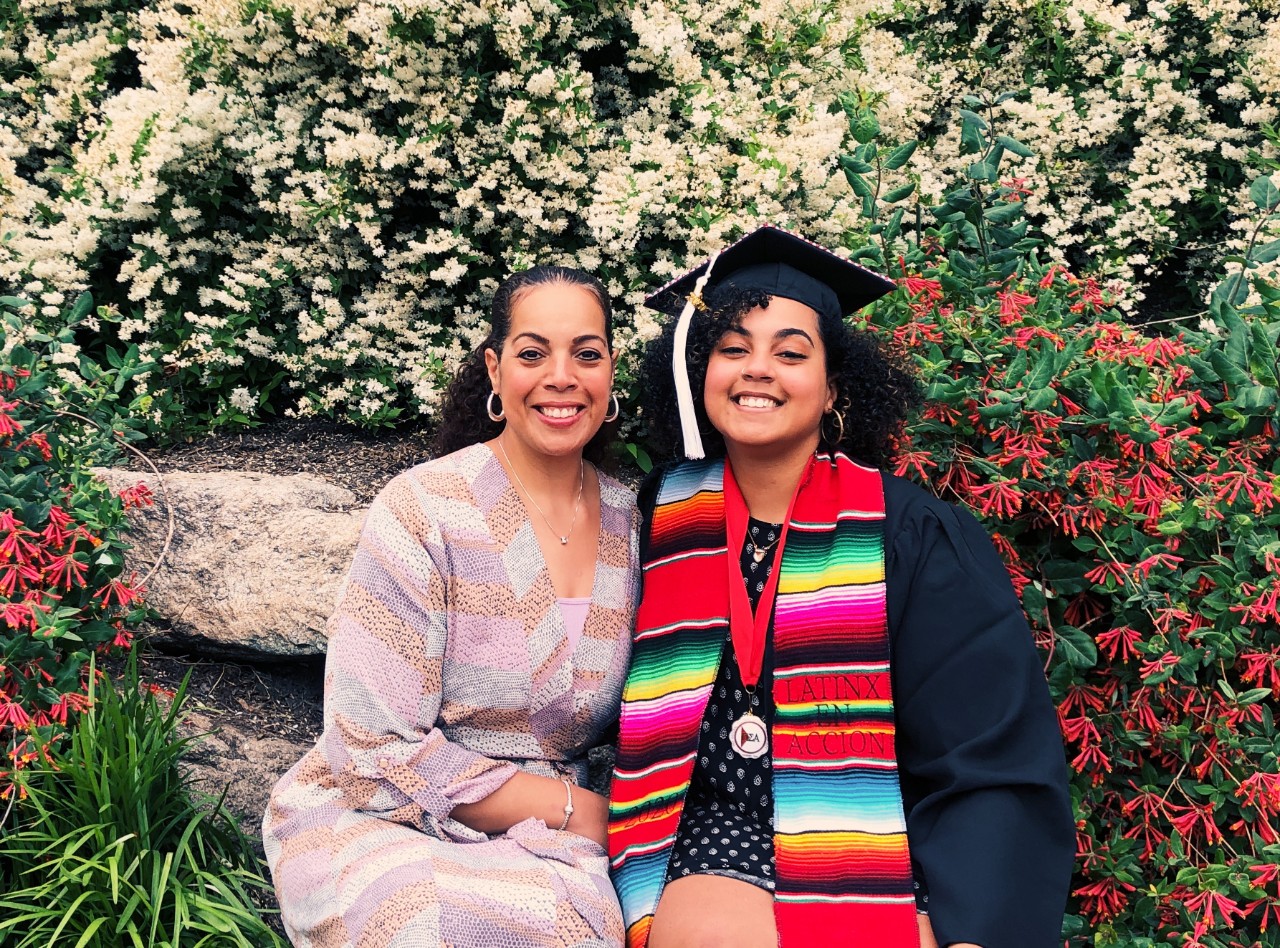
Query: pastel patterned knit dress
(448, 671)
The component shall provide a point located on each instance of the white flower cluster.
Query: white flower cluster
(331, 191)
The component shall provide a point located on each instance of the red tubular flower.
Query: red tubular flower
(1162, 350)
(1120, 640)
(1023, 336)
(60, 528)
(139, 495)
(18, 616)
(118, 592)
(1262, 669)
(1262, 792)
(39, 441)
(9, 425)
(15, 577)
(16, 546)
(1100, 573)
(1001, 498)
(1104, 899)
(1013, 305)
(1088, 297)
(1143, 568)
(1212, 901)
(919, 286)
(14, 715)
(66, 571)
(1197, 818)
(915, 461)
(1158, 666)
(1046, 281)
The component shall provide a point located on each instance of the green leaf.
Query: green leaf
(856, 164)
(900, 156)
(1256, 399)
(1227, 370)
(893, 228)
(972, 140)
(1266, 253)
(1004, 213)
(1262, 354)
(1264, 193)
(1253, 695)
(982, 171)
(1015, 146)
(80, 308)
(865, 127)
(858, 183)
(975, 118)
(1076, 646)
(897, 194)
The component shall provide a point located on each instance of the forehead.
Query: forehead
(556, 309)
(779, 316)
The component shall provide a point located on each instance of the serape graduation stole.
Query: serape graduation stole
(840, 843)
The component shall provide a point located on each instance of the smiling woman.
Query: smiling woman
(476, 654)
(835, 730)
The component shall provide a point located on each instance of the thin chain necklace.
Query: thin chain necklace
(582, 470)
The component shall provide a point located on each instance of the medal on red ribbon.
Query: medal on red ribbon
(749, 735)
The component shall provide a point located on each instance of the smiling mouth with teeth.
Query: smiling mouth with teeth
(756, 401)
(560, 412)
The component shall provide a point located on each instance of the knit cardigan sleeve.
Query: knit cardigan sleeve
(386, 652)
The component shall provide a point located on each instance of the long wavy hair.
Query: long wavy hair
(876, 386)
(463, 418)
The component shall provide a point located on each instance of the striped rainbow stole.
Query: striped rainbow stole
(843, 870)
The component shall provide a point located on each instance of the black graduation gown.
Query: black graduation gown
(983, 772)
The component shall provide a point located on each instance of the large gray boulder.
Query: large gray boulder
(254, 563)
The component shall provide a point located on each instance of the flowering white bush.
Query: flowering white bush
(308, 203)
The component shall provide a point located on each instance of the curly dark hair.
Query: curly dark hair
(463, 418)
(876, 386)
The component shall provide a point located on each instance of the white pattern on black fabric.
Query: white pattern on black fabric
(728, 818)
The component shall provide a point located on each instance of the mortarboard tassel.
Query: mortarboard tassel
(680, 368)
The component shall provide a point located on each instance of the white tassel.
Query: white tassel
(680, 368)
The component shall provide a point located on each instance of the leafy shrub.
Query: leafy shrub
(63, 592)
(1132, 485)
(113, 846)
(303, 206)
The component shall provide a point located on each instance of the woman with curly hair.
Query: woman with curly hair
(835, 730)
(476, 654)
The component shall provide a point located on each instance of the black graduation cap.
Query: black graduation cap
(780, 263)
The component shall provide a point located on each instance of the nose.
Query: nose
(757, 366)
(560, 372)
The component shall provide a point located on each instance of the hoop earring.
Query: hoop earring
(488, 407)
(617, 408)
(839, 417)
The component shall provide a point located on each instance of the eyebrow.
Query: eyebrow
(577, 340)
(777, 336)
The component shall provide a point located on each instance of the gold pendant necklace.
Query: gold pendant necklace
(758, 552)
(582, 468)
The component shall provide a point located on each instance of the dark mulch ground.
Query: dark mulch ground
(267, 700)
(278, 699)
(354, 458)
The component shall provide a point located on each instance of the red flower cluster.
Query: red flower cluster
(1137, 518)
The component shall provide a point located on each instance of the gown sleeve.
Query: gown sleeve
(383, 674)
(983, 770)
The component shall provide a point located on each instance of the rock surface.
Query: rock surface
(255, 561)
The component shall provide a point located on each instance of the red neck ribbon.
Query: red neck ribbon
(747, 632)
